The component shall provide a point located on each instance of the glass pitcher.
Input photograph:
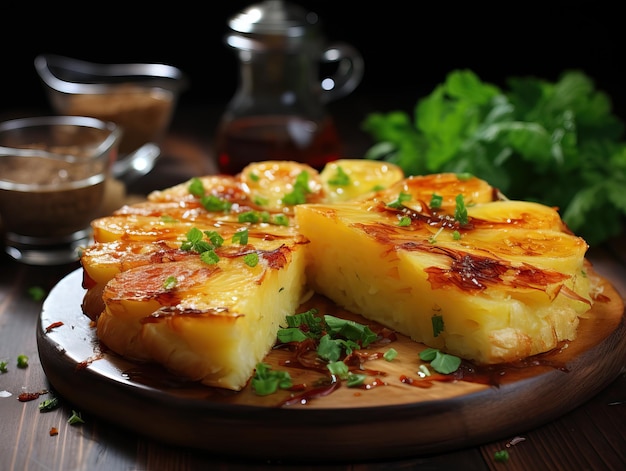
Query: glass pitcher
(279, 110)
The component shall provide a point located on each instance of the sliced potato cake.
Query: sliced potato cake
(200, 277)
(447, 262)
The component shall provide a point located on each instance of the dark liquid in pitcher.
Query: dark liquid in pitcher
(256, 139)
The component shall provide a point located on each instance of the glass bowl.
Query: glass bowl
(53, 174)
(140, 98)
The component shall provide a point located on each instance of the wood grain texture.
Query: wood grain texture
(395, 420)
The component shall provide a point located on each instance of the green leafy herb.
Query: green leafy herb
(267, 381)
(291, 334)
(336, 339)
(437, 322)
(501, 456)
(249, 216)
(460, 211)
(49, 404)
(167, 218)
(260, 200)
(75, 418)
(436, 201)
(206, 248)
(196, 187)
(404, 221)
(350, 330)
(428, 354)
(170, 283)
(3, 366)
(309, 321)
(441, 362)
(399, 201)
(300, 190)
(194, 240)
(332, 349)
(280, 220)
(557, 143)
(36, 293)
(241, 236)
(251, 259)
(209, 257)
(215, 204)
(339, 369)
(22, 361)
(390, 354)
(341, 178)
(215, 238)
(445, 363)
(355, 379)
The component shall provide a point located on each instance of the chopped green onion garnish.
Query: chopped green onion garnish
(241, 236)
(460, 211)
(436, 201)
(441, 362)
(167, 218)
(350, 330)
(267, 381)
(49, 404)
(195, 241)
(251, 259)
(339, 369)
(170, 283)
(249, 216)
(36, 293)
(390, 354)
(501, 456)
(340, 178)
(281, 220)
(209, 257)
(215, 238)
(300, 190)
(398, 202)
(445, 364)
(428, 354)
(291, 334)
(355, 380)
(214, 204)
(259, 200)
(22, 361)
(75, 418)
(404, 221)
(196, 187)
(437, 322)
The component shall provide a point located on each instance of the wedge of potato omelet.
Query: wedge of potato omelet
(200, 277)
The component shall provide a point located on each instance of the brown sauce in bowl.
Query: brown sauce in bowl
(143, 113)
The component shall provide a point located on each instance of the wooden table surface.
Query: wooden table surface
(590, 437)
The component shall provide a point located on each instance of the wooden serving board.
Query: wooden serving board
(391, 420)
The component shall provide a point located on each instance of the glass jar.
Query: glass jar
(279, 110)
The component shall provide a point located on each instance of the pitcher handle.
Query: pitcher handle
(348, 74)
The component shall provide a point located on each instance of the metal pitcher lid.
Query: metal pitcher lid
(272, 18)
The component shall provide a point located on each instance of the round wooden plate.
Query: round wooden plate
(392, 420)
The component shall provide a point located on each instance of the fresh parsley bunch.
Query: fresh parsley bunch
(555, 143)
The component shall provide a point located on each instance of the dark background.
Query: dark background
(408, 47)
